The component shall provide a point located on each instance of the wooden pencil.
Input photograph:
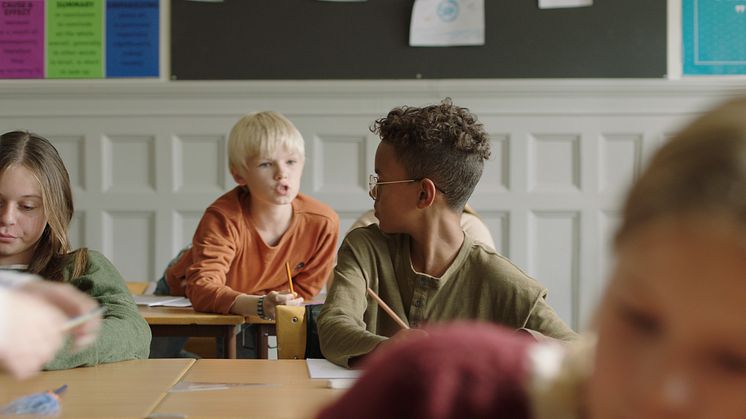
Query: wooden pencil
(290, 277)
(387, 309)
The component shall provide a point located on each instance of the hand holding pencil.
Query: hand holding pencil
(42, 311)
(275, 298)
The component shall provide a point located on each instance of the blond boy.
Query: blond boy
(237, 261)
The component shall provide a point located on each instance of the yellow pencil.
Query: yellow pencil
(290, 277)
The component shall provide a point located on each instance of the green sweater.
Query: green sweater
(480, 284)
(124, 334)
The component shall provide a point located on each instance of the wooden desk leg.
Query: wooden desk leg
(262, 341)
(230, 341)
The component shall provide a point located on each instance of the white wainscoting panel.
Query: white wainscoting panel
(146, 158)
(554, 243)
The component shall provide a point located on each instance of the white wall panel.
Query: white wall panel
(498, 224)
(339, 164)
(122, 154)
(554, 253)
(199, 163)
(620, 160)
(147, 158)
(185, 224)
(554, 163)
(130, 238)
(496, 175)
(71, 149)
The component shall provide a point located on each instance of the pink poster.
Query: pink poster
(21, 39)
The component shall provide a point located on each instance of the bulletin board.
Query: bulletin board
(311, 39)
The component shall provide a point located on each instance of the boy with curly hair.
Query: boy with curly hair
(418, 259)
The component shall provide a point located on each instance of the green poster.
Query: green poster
(75, 39)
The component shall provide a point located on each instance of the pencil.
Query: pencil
(77, 321)
(387, 309)
(290, 277)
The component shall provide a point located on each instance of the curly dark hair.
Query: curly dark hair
(443, 142)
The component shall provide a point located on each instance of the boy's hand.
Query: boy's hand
(275, 298)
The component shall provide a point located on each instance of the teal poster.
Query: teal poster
(714, 33)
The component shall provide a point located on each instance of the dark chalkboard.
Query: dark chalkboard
(310, 39)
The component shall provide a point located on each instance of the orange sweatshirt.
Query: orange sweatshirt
(228, 257)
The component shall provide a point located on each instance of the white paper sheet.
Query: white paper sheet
(553, 4)
(338, 383)
(321, 368)
(447, 23)
(161, 301)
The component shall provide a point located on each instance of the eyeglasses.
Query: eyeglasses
(374, 183)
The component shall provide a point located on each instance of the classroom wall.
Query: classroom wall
(147, 157)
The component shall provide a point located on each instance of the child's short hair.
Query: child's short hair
(444, 143)
(701, 171)
(259, 134)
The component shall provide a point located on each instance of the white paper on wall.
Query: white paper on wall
(437, 23)
(553, 4)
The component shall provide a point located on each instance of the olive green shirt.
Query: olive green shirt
(480, 284)
(124, 334)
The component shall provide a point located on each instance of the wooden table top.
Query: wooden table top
(273, 389)
(258, 320)
(128, 389)
(186, 316)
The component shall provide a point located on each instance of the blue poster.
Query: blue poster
(714, 34)
(132, 41)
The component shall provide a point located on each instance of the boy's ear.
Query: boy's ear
(238, 177)
(427, 193)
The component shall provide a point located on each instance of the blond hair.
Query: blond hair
(701, 171)
(261, 134)
(38, 155)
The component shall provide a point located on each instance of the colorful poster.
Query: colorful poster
(714, 34)
(132, 41)
(22, 39)
(75, 39)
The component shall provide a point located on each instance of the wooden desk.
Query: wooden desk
(129, 389)
(284, 391)
(181, 321)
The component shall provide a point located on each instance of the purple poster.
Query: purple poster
(22, 39)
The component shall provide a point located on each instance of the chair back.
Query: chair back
(137, 288)
(290, 326)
